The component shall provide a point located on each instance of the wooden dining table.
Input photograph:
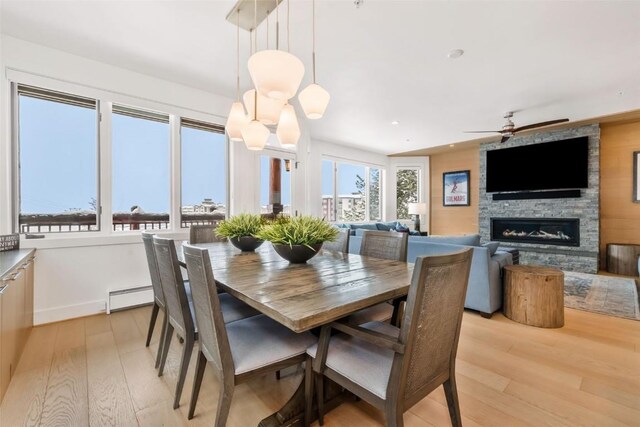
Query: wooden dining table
(302, 297)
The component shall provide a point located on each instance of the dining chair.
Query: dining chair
(179, 309)
(394, 368)
(341, 244)
(240, 350)
(204, 234)
(384, 245)
(158, 295)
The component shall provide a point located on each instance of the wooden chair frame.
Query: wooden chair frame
(396, 402)
(158, 295)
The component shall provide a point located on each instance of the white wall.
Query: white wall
(74, 272)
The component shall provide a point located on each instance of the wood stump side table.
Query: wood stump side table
(622, 258)
(534, 295)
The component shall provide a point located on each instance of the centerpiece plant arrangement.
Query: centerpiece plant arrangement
(298, 239)
(242, 231)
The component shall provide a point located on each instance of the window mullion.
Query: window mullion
(104, 206)
(367, 178)
(175, 199)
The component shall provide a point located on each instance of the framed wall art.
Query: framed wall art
(455, 188)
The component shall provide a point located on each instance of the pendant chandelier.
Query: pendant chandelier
(276, 76)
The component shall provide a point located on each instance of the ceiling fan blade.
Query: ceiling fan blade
(539, 125)
(504, 139)
(483, 131)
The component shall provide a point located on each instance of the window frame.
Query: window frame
(211, 127)
(105, 99)
(367, 180)
(418, 169)
(16, 189)
(282, 154)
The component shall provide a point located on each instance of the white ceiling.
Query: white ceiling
(381, 62)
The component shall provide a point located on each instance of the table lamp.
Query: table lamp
(418, 209)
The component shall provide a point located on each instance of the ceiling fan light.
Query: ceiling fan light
(288, 130)
(235, 121)
(276, 74)
(268, 109)
(314, 100)
(255, 135)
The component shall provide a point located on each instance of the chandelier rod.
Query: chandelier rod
(238, 57)
(288, 30)
(277, 26)
(313, 26)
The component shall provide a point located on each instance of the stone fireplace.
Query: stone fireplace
(563, 232)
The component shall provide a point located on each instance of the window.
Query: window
(204, 174)
(351, 192)
(57, 179)
(407, 190)
(328, 191)
(275, 185)
(140, 169)
(57, 165)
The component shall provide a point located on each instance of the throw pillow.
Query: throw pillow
(492, 247)
(401, 228)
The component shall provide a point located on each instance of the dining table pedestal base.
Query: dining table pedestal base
(292, 413)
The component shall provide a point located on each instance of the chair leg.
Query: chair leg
(308, 392)
(393, 417)
(320, 397)
(184, 366)
(201, 364)
(224, 403)
(451, 393)
(168, 334)
(152, 322)
(278, 375)
(165, 320)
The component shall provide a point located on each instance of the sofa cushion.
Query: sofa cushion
(492, 246)
(371, 226)
(469, 240)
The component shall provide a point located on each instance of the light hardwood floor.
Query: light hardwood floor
(96, 371)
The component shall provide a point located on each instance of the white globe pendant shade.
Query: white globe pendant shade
(288, 131)
(236, 120)
(314, 100)
(255, 135)
(268, 109)
(276, 74)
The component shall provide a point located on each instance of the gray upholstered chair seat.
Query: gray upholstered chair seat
(363, 363)
(233, 309)
(260, 341)
(380, 313)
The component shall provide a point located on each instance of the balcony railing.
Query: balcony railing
(123, 221)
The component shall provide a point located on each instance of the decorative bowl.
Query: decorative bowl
(297, 254)
(246, 243)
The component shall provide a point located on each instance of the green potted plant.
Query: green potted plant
(241, 230)
(298, 239)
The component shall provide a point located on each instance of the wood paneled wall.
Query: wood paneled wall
(619, 216)
(454, 219)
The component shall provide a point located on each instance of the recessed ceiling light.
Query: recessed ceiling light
(408, 140)
(395, 122)
(455, 53)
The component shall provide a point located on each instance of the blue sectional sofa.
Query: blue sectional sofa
(484, 293)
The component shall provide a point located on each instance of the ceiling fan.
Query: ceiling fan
(509, 129)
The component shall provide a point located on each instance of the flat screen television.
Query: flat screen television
(548, 166)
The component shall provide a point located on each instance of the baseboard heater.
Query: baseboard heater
(123, 299)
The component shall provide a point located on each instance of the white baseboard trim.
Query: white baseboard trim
(57, 314)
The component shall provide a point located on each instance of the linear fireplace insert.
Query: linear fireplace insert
(545, 231)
